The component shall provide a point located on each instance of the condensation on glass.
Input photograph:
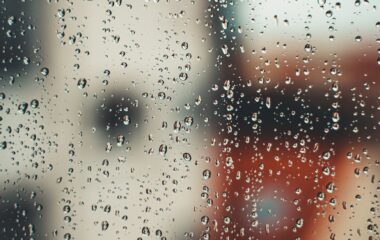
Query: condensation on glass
(185, 119)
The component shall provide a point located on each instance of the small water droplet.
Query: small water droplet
(82, 83)
(187, 156)
(44, 71)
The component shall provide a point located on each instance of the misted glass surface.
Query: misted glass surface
(186, 119)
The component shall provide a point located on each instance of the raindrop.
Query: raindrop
(299, 223)
(185, 45)
(82, 83)
(189, 121)
(326, 155)
(34, 103)
(321, 3)
(183, 76)
(45, 71)
(104, 225)
(186, 156)
(120, 140)
(126, 120)
(206, 174)
(163, 149)
(23, 107)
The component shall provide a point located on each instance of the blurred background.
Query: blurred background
(174, 119)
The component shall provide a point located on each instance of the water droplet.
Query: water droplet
(299, 223)
(82, 83)
(185, 45)
(44, 71)
(268, 102)
(183, 76)
(189, 121)
(326, 155)
(126, 120)
(108, 147)
(105, 225)
(145, 231)
(186, 156)
(120, 140)
(335, 117)
(3, 145)
(206, 174)
(321, 3)
(205, 220)
(11, 20)
(34, 103)
(163, 149)
(358, 38)
(23, 107)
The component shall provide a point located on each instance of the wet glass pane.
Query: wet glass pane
(185, 119)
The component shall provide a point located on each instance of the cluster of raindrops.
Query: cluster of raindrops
(189, 120)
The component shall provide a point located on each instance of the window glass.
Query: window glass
(185, 119)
